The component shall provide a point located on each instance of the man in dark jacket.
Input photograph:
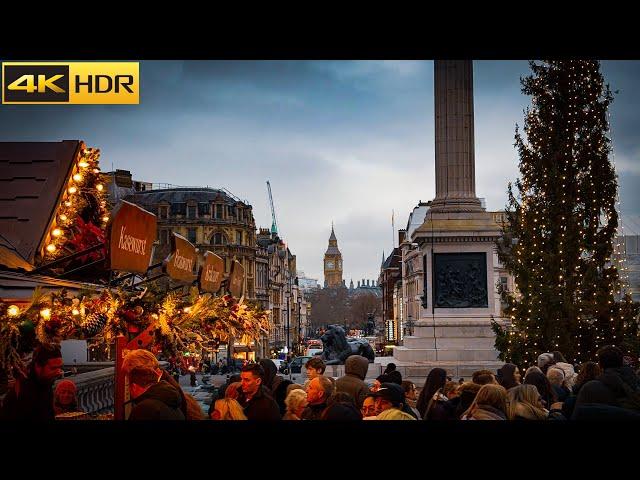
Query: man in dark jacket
(32, 397)
(255, 398)
(355, 369)
(618, 386)
(276, 384)
(318, 391)
(153, 399)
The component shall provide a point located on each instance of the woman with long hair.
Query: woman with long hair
(524, 403)
(433, 386)
(228, 409)
(509, 376)
(490, 404)
(541, 382)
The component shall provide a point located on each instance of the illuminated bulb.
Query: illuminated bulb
(105, 218)
(73, 190)
(63, 217)
(51, 247)
(67, 203)
(100, 187)
(187, 309)
(75, 311)
(56, 232)
(45, 313)
(13, 310)
(83, 164)
(96, 170)
(77, 177)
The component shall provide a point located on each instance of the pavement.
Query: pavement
(202, 392)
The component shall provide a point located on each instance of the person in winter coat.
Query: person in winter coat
(296, 402)
(318, 392)
(509, 376)
(390, 401)
(618, 386)
(256, 398)
(32, 397)
(545, 389)
(65, 398)
(153, 399)
(355, 368)
(431, 392)
(275, 383)
(489, 404)
(524, 403)
(410, 397)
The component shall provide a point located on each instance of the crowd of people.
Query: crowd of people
(551, 390)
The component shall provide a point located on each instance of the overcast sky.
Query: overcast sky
(341, 141)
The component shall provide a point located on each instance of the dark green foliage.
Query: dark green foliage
(558, 239)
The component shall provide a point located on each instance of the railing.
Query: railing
(95, 390)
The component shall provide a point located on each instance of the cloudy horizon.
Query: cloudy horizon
(340, 141)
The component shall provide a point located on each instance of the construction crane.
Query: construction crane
(274, 224)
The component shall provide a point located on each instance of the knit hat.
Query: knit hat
(544, 359)
(66, 386)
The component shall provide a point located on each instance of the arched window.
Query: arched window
(218, 239)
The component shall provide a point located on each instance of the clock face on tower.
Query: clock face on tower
(329, 264)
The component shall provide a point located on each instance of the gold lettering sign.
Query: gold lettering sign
(212, 272)
(236, 279)
(131, 236)
(181, 264)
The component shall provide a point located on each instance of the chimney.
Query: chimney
(402, 233)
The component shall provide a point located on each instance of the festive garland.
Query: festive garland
(181, 324)
(83, 212)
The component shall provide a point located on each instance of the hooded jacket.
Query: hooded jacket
(355, 369)
(276, 384)
(161, 401)
(617, 387)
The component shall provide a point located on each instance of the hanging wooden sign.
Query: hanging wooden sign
(236, 279)
(211, 273)
(181, 263)
(131, 236)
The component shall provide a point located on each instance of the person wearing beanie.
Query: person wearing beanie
(545, 360)
(64, 397)
(32, 396)
(390, 402)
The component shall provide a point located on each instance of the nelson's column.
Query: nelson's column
(457, 242)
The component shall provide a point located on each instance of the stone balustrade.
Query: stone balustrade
(95, 390)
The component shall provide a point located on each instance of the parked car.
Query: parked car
(297, 364)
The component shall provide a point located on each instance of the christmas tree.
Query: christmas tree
(557, 241)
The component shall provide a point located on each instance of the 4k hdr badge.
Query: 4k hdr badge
(70, 82)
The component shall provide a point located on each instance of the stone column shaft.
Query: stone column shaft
(455, 158)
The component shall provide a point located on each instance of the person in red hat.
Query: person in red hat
(64, 397)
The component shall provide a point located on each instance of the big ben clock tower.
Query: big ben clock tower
(333, 263)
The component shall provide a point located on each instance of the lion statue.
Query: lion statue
(337, 348)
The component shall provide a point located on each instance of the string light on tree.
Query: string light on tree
(564, 218)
